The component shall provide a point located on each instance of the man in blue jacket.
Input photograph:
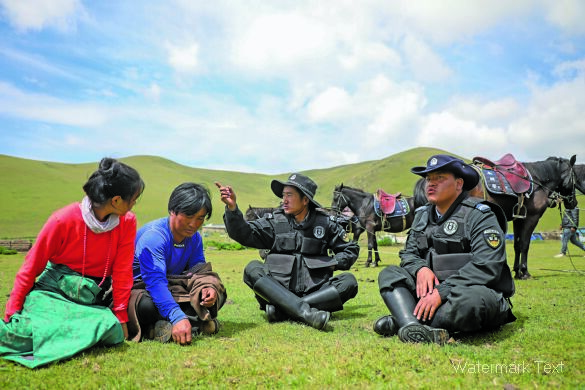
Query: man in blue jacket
(169, 247)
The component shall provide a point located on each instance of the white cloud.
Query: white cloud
(467, 138)
(425, 64)
(38, 14)
(44, 108)
(331, 104)
(281, 40)
(184, 59)
(567, 14)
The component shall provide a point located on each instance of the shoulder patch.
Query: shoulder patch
(493, 238)
(483, 207)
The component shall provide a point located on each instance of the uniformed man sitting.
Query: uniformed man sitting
(453, 275)
(296, 281)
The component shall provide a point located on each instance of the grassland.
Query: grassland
(542, 349)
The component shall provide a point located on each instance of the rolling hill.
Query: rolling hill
(31, 190)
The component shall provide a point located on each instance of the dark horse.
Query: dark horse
(554, 179)
(361, 203)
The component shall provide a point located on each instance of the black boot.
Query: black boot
(289, 303)
(327, 299)
(273, 314)
(401, 304)
(385, 326)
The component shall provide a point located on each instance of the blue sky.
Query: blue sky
(282, 86)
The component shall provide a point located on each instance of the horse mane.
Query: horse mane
(544, 170)
(343, 186)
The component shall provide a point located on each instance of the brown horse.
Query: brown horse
(554, 179)
(361, 203)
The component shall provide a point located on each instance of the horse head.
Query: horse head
(339, 201)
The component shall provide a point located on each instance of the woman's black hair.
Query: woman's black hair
(189, 198)
(113, 178)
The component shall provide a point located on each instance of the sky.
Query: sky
(281, 86)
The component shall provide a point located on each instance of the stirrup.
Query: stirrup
(519, 211)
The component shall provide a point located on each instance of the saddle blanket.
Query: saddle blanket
(401, 208)
(496, 183)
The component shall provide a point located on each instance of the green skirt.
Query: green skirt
(59, 319)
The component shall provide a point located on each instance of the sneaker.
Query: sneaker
(163, 331)
(560, 255)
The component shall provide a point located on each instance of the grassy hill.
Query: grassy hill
(31, 190)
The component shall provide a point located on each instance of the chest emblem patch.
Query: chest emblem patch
(450, 227)
(319, 232)
(492, 237)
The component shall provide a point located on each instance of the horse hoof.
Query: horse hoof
(374, 265)
(367, 264)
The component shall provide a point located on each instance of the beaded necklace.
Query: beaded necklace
(107, 257)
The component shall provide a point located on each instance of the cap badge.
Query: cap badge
(292, 177)
(433, 162)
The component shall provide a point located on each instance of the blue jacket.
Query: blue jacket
(156, 256)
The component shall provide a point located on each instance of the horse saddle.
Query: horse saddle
(390, 205)
(505, 176)
(387, 201)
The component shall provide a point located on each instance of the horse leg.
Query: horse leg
(523, 229)
(376, 253)
(370, 247)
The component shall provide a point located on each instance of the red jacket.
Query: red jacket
(61, 241)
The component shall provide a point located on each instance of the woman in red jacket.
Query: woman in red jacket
(83, 255)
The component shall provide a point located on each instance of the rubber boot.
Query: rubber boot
(385, 326)
(273, 314)
(289, 303)
(401, 304)
(327, 299)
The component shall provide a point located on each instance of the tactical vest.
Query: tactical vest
(298, 258)
(447, 246)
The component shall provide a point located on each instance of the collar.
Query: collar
(91, 220)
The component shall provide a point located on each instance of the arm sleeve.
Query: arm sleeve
(122, 268)
(256, 234)
(346, 253)
(151, 251)
(487, 263)
(47, 243)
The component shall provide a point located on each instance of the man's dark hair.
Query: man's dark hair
(189, 198)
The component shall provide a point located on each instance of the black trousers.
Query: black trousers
(345, 283)
(467, 309)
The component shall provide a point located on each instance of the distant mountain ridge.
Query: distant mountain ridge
(31, 190)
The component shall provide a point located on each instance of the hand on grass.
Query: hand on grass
(182, 332)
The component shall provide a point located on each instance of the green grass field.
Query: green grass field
(542, 349)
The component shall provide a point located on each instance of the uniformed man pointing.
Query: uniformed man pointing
(453, 275)
(296, 281)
